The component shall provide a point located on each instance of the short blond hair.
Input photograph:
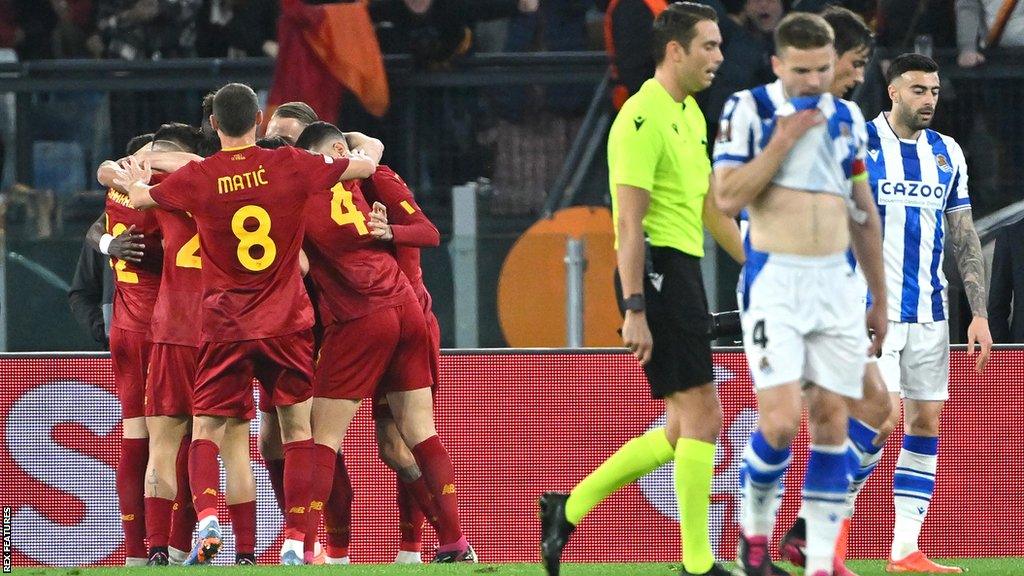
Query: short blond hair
(803, 31)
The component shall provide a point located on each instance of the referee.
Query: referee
(659, 177)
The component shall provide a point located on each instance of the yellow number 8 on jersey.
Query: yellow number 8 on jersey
(259, 237)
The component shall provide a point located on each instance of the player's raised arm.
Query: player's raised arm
(359, 142)
(360, 166)
(738, 185)
(167, 161)
(866, 239)
(134, 179)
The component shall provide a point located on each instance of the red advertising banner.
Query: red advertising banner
(516, 425)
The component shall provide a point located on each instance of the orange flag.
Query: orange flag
(347, 44)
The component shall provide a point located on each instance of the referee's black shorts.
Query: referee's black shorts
(677, 314)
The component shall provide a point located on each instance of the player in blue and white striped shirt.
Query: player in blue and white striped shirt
(919, 181)
(795, 155)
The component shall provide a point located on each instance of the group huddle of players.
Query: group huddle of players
(218, 242)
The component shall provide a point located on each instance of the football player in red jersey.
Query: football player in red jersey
(287, 122)
(129, 247)
(175, 334)
(409, 230)
(256, 317)
(388, 350)
(132, 240)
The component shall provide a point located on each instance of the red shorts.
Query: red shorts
(172, 372)
(129, 354)
(388, 350)
(381, 409)
(283, 365)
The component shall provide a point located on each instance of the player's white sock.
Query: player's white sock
(761, 485)
(128, 561)
(912, 488)
(205, 522)
(866, 455)
(292, 545)
(825, 488)
(344, 560)
(407, 557)
(176, 557)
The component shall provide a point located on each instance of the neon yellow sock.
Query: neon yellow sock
(695, 465)
(639, 456)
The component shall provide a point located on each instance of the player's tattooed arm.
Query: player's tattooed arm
(969, 259)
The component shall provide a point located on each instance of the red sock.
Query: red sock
(298, 483)
(204, 476)
(410, 516)
(243, 523)
(183, 514)
(183, 523)
(320, 490)
(158, 521)
(338, 513)
(275, 471)
(131, 471)
(436, 465)
(421, 496)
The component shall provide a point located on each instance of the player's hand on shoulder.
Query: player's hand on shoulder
(636, 335)
(365, 165)
(132, 170)
(127, 245)
(878, 326)
(789, 129)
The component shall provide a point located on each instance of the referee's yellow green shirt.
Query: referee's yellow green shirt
(660, 145)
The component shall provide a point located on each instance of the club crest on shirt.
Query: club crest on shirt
(943, 164)
(845, 129)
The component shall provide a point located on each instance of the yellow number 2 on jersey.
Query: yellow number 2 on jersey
(121, 268)
(344, 211)
(259, 237)
(188, 254)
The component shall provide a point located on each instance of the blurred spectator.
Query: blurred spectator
(435, 31)
(864, 8)
(10, 33)
(987, 24)
(324, 50)
(75, 23)
(627, 35)
(538, 123)
(1007, 286)
(147, 29)
(39, 29)
(899, 24)
(983, 27)
(747, 46)
(237, 28)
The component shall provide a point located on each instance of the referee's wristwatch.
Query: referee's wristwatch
(634, 303)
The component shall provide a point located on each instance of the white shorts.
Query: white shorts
(804, 322)
(915, 360)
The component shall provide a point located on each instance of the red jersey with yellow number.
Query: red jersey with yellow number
(177, 311)
(247, 204)
(410, 226)
(135, 284)
(354, 273)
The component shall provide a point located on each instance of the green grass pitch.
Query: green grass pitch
(975, 567)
